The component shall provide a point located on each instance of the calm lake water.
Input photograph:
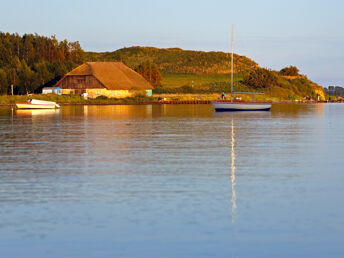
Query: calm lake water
(172, 181)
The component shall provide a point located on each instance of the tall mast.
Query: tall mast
(232, 46)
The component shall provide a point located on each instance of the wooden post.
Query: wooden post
(12, 89)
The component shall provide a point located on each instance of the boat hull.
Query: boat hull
(228, 106)
(35, 106)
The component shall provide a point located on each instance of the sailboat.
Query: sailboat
(239, 106)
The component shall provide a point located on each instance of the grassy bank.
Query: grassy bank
(76, 100)
(199, 84)
(71, 99)
(197, 80)
(215, 96)
(286, 88)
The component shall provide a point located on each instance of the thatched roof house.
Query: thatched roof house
(111, 79)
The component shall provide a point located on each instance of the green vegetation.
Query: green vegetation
(199, 83)
(176, 60)
(150, 72)
(260, 78)
(296, 89)
(72, 99)
(276, 87)
(30, 61)
(196, 80)
(290, 71)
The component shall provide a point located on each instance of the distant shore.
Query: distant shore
(7, 100)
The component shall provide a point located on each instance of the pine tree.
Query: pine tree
(3, 82)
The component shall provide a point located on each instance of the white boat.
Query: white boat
(239, 106)
(37, 104)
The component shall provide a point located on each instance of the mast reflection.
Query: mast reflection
(234, 205)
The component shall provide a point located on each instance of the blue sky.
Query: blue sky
(308, 34)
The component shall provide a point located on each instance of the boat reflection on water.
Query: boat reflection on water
(234, 205)
(37, 112)
(237, 124)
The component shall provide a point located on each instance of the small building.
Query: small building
(52, 90)
(110, 79)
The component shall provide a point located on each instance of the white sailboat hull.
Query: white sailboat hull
(228, 106)
(37, 104)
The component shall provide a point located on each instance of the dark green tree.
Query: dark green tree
(26, 78)
(42, 73)
(13, 72)
(260, 78)
(58, 69)
(45, 57)
(3, 82)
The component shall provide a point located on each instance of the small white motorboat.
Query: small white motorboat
(37, 104)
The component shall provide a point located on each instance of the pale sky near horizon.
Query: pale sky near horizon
(275, 34)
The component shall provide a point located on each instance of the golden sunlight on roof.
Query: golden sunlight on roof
(113, 75)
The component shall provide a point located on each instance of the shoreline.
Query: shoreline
(179, 102)
(158, 99)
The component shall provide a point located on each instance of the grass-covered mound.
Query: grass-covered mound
(176, 60)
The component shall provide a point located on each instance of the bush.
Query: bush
(101, 97)
(260, 78)
(290, 71)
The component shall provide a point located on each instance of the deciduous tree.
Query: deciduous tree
(290, 71)
(150, 72)
(260, 78)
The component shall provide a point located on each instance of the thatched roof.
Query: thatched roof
(113, 75)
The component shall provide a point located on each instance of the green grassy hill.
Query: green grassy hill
(176, 60)
(298, 88)
(186, 71)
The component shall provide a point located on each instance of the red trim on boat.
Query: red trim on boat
(27, 103)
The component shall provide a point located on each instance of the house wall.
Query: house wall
(93, 93)
(47, 91)
(67, 91)
(77, 84)
(50, 90)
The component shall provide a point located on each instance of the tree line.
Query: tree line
(31, 61)
(260, 78)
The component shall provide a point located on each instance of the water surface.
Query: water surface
(172, 181)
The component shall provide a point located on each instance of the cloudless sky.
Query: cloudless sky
(274, 33)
